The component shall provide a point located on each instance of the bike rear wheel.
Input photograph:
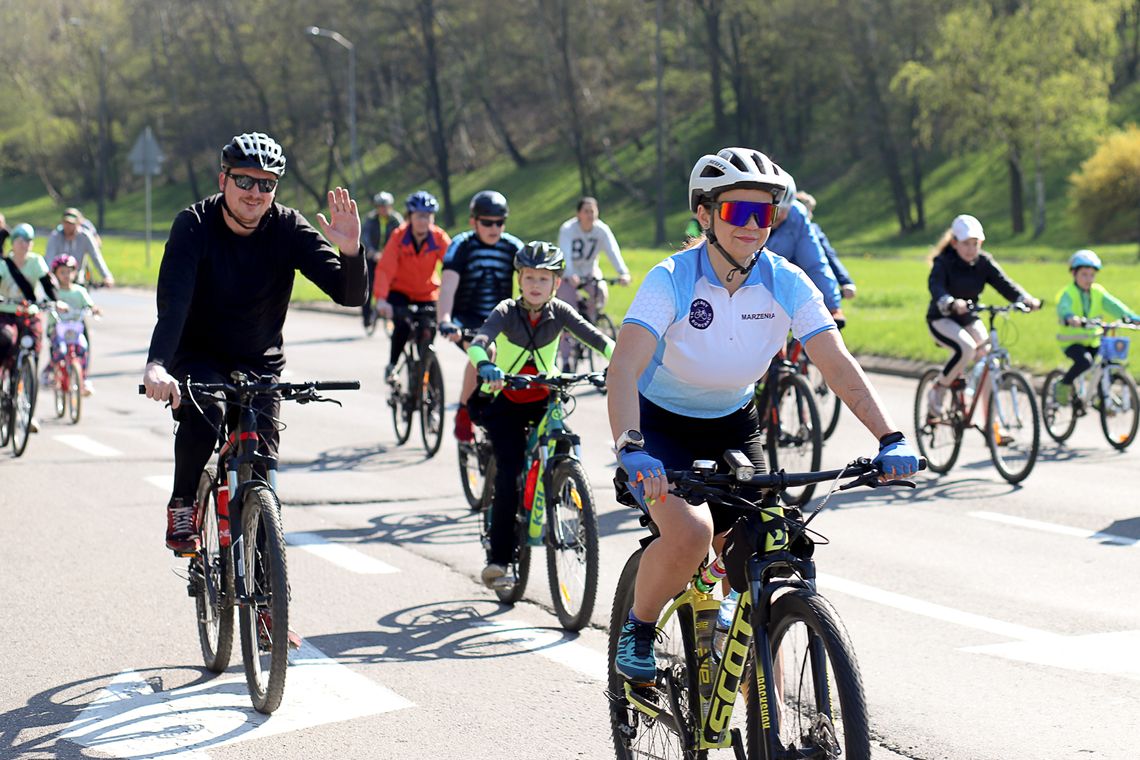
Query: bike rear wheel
(572, 545)
(520, 562)
(399, 399)
(1119, 409)
(23, 403)
(431, 404)
(939, 436)
(1060, 419)
(74, 390)
(819, 708)
(636, 734)
(265, 615)
(212, 577)
(1013, 427)
(607, 326)
(794, 437)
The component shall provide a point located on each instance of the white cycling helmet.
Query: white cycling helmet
(789, 194)
(1084, 258)
(734, 168)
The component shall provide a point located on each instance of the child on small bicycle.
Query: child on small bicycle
(64, 268)
(525, 332)
(1083, 299)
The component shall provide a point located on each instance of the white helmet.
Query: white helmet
(1084, 258)
(737, 167)
(789, 194)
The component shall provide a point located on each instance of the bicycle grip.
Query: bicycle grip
(337, 385)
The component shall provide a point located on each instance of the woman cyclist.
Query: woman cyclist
(525, 332)
(703, 326)
(959, 270)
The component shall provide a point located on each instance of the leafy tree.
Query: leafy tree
(1105, 193)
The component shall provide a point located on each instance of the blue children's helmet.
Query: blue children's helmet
(422, 200)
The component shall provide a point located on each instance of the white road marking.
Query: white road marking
(338, 554)
(1111, 653)
(552, 645)
(161, 482)
(1063, 530)
(129, 719)
(87, 445)
(931, 610)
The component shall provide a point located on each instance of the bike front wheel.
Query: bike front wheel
(672, 733)
(1060, 419)
(1013, 427)
(938, 433)
(794, 437)
(23, 403)
(74, 390)
(572, 545)
(815, 705)
(212, 578)
(265, 614)
(60, 388)
(431, 404)
(1119, 408)
(400, 399)
(6, 393)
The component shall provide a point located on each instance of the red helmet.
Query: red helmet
(64, 260)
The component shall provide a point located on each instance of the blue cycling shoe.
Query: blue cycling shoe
(635, 659)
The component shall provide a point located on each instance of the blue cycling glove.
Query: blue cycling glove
(638, 465)
(448, 328)
(896, 456)
(489, 372)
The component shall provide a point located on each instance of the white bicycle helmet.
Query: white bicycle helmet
(734, 168)
(1084, 258)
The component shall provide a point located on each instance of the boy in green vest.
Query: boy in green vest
(1084, 299)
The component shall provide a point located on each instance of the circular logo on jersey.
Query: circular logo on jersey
(700, 313)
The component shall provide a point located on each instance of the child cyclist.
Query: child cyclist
(526, 332)
(77, 298)
(1083, 299)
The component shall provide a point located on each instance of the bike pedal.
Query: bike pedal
(645, 698)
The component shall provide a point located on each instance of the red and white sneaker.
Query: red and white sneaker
(182, 527)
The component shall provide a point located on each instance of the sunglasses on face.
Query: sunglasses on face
(737, 213)
(246, 182)
(492, 222)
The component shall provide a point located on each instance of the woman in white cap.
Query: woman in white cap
(959, 270)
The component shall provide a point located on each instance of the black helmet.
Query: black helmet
(538, 254)
(489, 203)
(254, 150)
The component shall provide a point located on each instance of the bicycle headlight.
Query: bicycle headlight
(741, 466)
(27, 341)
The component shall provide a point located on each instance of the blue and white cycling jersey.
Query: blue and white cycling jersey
(712, 347)
(797, 242)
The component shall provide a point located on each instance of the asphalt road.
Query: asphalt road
(990, 621)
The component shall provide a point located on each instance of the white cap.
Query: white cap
(965, 226)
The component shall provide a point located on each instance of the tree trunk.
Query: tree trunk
(659, 56)
(501, 130)
(1038, 193)
(435, 109)
(195, 193)
(916, 154)
(1016, 196)
(711, 9)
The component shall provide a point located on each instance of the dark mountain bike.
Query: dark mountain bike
(789, 421)
(826, 400)
(247, 571)
(416, 382)
(556, 508)
(19, 387)
(786, 651)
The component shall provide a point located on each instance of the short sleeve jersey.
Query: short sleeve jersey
(486, 274)
(712, 346)
(35, 268)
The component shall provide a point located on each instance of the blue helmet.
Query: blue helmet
(422, 200)
(1084, 258)
(25, 231)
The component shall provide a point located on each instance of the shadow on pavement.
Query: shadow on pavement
(455, 526)
(377, 458)
(1128, 528)
(436, 631)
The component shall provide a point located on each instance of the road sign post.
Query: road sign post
(146, 159)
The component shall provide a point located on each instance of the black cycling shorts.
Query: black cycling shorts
(678, 440)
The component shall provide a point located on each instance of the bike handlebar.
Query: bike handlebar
(1127, 324)
(517, 382)
(258, 387)
(976, 308)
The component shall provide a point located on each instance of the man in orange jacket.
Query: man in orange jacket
(407, 272)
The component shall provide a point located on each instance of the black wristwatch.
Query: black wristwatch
(890, 438)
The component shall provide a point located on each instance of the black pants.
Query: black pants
(403, 325)
(198, 430)
(367, 306)
(506, 424)
(1082, 357)
(678, 440)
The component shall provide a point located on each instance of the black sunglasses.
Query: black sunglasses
(246, 182)
(492, 222)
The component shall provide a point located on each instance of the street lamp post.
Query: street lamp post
(340, 39)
